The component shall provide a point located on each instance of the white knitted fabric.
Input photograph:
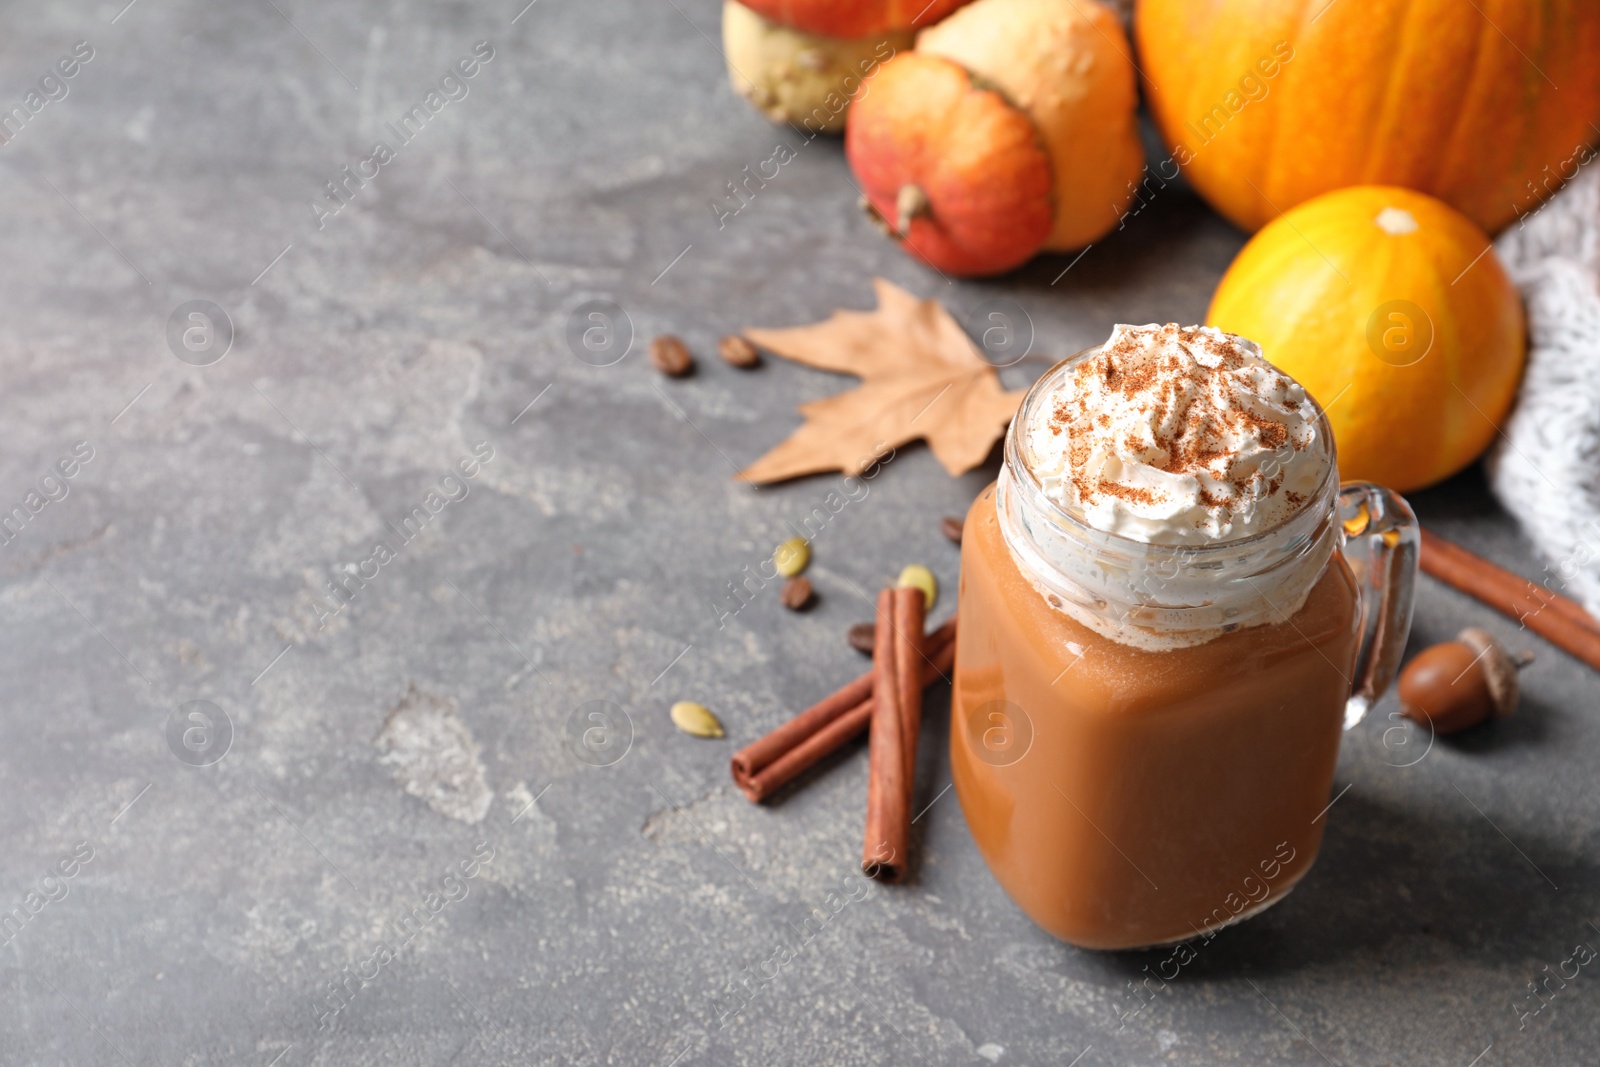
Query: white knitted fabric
(1546, 469)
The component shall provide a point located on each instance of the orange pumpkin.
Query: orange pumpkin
(853, 18)
(1043, 151)
(957, 171)
(1484, 104)
(1391, 309)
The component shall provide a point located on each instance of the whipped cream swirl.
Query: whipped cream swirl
(1177, 435)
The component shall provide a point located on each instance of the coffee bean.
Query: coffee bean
(670, 356)
(863, 636)
(797, 594)
(951, 527)
(738, 352)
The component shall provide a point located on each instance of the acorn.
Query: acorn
(1460, 683)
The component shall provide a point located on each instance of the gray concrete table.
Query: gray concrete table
(379, 794)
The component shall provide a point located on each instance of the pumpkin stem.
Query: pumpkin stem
(875, 216)
(909, 204)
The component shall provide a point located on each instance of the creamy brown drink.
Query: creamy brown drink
(1159, 636)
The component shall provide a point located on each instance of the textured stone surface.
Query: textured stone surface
(579, 564)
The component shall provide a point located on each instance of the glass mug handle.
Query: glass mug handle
(1381, 542)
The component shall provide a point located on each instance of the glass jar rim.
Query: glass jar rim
(1012, 458)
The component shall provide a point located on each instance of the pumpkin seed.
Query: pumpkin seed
(695, 719)
(916, 576)
(792, 556)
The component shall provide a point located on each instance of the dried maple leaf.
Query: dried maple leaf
(921, 376)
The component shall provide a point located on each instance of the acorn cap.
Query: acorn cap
(1499, 668)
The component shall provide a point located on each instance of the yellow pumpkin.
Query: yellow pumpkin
(1391, 309)
(1486, 104)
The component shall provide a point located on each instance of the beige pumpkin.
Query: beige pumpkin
(798, 78)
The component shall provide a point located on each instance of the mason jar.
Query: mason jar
(1143, 736)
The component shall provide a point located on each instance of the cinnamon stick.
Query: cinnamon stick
(910, 608)
(764, 766)
(888, 832)
(896, 686)
(1559, 620)
(1499, 588)
(763, 752)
